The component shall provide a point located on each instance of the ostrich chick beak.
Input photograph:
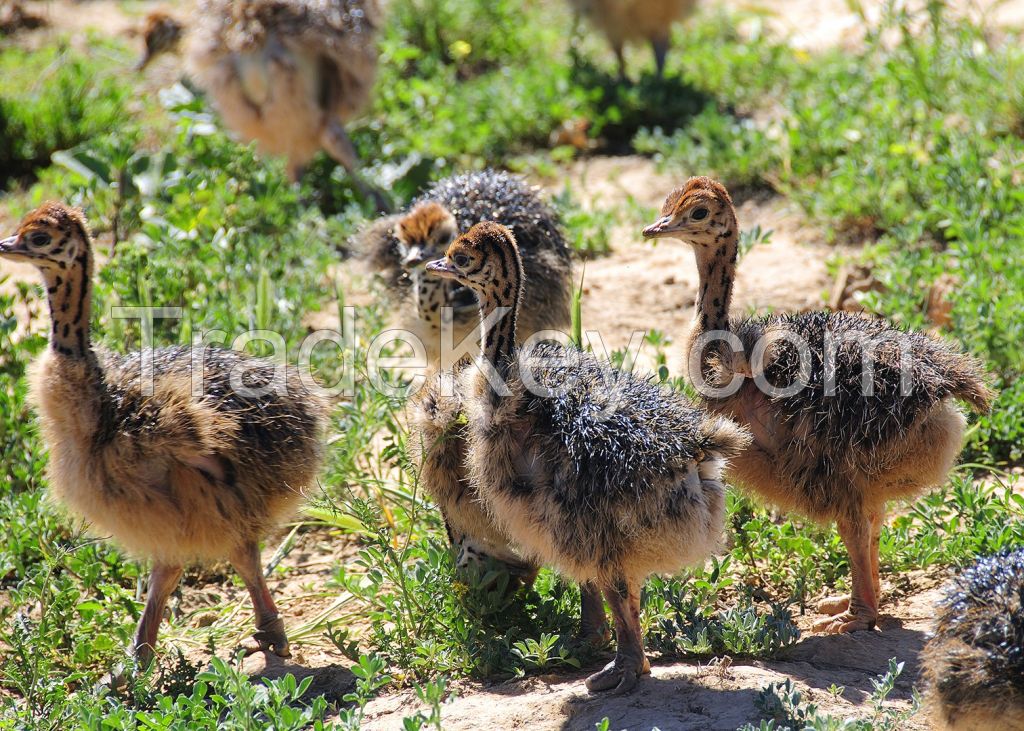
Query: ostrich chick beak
(9, 245)
(659, 228)
(442, 268)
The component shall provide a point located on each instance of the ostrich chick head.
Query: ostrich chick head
(700, 213)
(162, 34)
(425, 233)
(50, 238)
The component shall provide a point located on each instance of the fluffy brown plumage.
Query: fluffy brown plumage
(14, 17)
(601, 474)
(438, 439)
(829, 449)
(624, 21)
(974, 664)
(175, 468)
(287, 74)
(397, 246)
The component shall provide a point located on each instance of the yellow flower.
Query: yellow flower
(459, 50)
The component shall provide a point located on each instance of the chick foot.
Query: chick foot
(619, 676)
(833, 605)
(847, 622)
(269, 636)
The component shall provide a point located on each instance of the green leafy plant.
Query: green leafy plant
(54, 98)
(784, 708)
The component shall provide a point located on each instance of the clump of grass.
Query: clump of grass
(683, 618)
(54, 98)
(587, 232)
(785, 709)
(425, 619)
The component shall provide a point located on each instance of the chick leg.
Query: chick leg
(593, 625)
(620, 675)
(620, 56)
(295, 171)
(838, 604)
(162, 581)
(863, 609)
(660, 46)
(339, 146)
(270, 634)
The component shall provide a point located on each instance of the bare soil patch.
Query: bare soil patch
(814, 25)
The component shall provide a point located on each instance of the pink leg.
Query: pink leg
(620, 675)
(838, 604)
(620, 56)
(162, 581)
(270, 634)
(339, 145)
(863, 609)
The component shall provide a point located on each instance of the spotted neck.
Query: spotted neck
(714, 295)
(716, 265)
(499, 338)
(69, 289)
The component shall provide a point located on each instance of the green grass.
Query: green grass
(55, 98)
(915, 149)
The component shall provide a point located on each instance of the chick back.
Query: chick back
(334, 39)
(974, 665)
(601, 476)
(183, 468)
(633, 20)
(828, 444)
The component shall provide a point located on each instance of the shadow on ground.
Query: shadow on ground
(330, 681)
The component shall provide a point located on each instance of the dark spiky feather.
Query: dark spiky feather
(845, 413)
(824, 440)
(600, 478)
(488, 195)
(494, 195)
(273, 429)
(975, 662)
(616, 432)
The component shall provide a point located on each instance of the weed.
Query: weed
(784, 708)
(55, 98)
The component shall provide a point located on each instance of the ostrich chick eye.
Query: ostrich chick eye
(39, 238)
(461, 260)
(699, 214)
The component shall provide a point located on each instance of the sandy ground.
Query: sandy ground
(817, 24)
(678, 696)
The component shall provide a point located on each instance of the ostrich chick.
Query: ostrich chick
(397, 246)
(846, 412)
(599, 473)
(288, 74)
(974, 665)
(623, 21)
(179, 466)
(438, 428)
